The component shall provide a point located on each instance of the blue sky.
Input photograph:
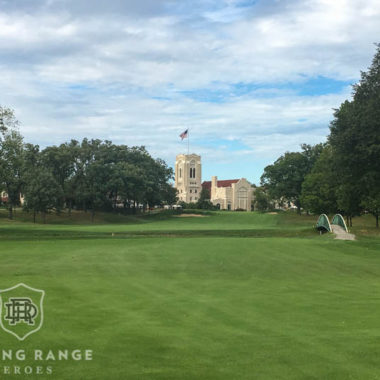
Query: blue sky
(250, 79)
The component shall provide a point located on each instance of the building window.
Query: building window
(243, 198)
(191, 191)
(180, 173)
(243, 193)
(195, 191)
(192, 172)
(191, 198)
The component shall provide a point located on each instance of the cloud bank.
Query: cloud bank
(251, 79)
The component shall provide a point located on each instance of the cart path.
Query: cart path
(341, 234)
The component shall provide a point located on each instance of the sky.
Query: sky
(250, 79)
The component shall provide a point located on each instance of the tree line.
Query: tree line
(90, 175)
(343, 174)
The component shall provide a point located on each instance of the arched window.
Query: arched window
(192, 169)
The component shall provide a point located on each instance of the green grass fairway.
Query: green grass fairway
(227, 296)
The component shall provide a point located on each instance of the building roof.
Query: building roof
(223, 183)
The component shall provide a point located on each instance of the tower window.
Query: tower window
(180, 173)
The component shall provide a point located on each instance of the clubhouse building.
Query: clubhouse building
(231, 194)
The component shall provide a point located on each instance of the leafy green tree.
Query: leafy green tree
(262, 201)
(59, 161)
(349, 195)
(71, 183)
(97, 175)
(7, 120)
(371, 200)
(319, 189)
(157, 175)
(284, 178)
(169, 194)
(42, 192)
(91, 175)
(355, 140)
(11, 167)
(204, 200)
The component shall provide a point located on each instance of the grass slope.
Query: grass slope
(210, 307)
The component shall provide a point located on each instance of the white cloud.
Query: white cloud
(123, 72)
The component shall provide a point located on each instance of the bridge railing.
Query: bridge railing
(339, 220)
(323, 223)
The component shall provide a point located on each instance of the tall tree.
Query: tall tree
(11, 166)
(284, 178)
(59, 161)
(42, 192)
(204, 200)
(7, 120)
(355, 140)
(262, 201)
(319, 189)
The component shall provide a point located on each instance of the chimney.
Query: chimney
(214, 185)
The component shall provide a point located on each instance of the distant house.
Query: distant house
(4, 197)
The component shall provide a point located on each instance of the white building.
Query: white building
(230, 194)
(188, 177)
(235, 194)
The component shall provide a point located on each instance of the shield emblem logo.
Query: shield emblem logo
(21, 310)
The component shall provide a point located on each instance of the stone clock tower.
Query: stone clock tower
(188, 177)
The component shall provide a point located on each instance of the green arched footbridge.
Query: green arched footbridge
(339, 221)
(323, 223)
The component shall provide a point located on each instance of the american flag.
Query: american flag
(183, 135)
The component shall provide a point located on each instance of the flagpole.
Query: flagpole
(188, 141)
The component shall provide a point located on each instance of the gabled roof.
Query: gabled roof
(223, 183)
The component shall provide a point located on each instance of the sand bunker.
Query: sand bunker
(190, 216)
